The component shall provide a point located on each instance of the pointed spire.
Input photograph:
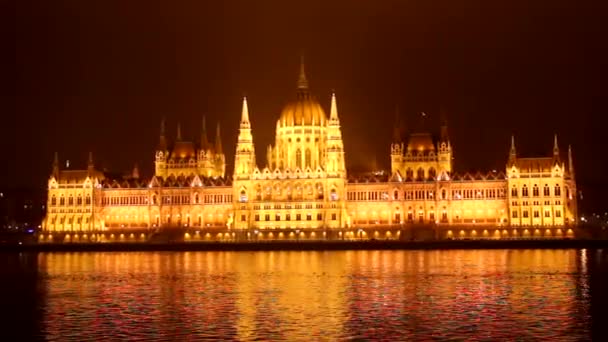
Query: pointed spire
(162, 141)
(179, 132)
(56, 165)
(302, 81)
(397, 129)
(570, 162)
(218, 140)
(334, 108)
(245, 112)
(512, 151)
(204, 140)
(90, 164)
(162, 127)
(444, 125)
(555, 146)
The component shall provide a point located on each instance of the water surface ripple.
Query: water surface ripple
(486, 295)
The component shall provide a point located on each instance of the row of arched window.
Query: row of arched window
(266, 195)
(525, 191)
(420, 174)
(70, 200)
(166, 199)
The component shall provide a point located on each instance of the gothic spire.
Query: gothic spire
(56, 165)
(218, 140)
(555, 147)
(162, 141)
(179, 132)
(570, 162)
(204, 140)
(90, 164)
(444, 125)
(512, 151)
(334, 108)
(245, 113)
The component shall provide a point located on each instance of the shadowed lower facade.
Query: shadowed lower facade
(303, 191)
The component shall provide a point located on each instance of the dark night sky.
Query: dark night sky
(99, 75)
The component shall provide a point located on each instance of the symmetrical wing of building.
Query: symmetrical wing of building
(303, 190)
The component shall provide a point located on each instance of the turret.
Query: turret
(335, 147)
(160, 167)
(397, 143)
(444, 155)
(244, 162)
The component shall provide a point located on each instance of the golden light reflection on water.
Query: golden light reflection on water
(291, 296)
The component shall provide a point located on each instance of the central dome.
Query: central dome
(303, 112)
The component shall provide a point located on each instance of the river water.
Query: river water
(491, 295)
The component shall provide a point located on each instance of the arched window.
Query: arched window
(54, 200)
(87, 200)
(420, 174)
(243, 197)
(535, 191)
(567, 192)
(514, 191)
(546, 191)
(308, 162)
(62, 200)
(333, 195)
(443, 194)
(524, 191)
(79, 200)
(258, 194)
(196, 198)
(432, 173)
(396, 195)
(409, 174)
(557, 190)
(71, 200)
(299, 158)
(154, 199)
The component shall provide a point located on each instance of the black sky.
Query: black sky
(99, 75)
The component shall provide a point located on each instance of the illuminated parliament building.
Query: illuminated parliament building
(303, 190)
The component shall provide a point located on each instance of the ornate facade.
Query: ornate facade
(303, 191)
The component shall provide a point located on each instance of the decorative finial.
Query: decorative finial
(302, 81)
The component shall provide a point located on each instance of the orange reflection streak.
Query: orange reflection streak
(297, 296)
